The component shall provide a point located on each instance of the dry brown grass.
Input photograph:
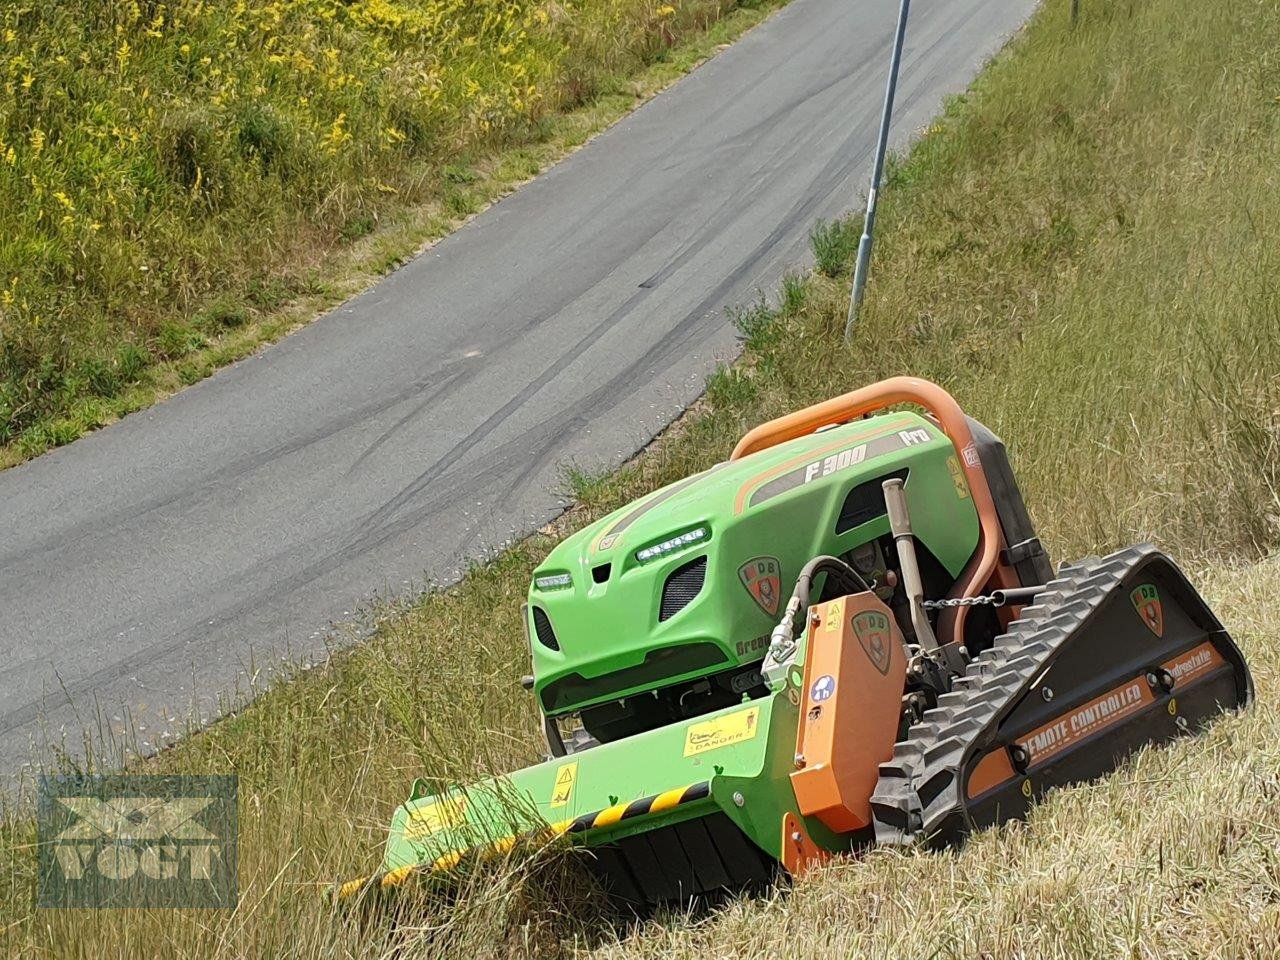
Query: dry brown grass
(1084, 250)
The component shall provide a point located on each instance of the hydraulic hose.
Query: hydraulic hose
(782, 639)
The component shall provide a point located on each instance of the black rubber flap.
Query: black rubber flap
(676, 864)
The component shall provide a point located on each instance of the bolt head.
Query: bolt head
(1047, 693)
(738, 798)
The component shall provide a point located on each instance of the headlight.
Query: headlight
(696, 535)
(553, 581)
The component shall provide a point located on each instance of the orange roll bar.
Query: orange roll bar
(951, 418)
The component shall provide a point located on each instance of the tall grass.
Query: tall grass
(1084, 250)
(171, 171)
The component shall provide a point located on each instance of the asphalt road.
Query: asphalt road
(148, 567)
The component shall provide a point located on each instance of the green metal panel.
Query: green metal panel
(748, 775)
(781, 503)
(752, 768)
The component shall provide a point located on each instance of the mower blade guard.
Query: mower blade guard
(664, 815)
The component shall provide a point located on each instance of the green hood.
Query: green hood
(609, 615)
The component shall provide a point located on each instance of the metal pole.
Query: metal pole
(869, 224)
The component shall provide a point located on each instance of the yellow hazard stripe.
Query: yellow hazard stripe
(352, 887)
(393, 877)
(447, 861)
(667, 801)
(608, 817)
(659, 803)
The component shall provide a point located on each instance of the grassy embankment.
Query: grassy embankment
(185, 181)
(1084, 249)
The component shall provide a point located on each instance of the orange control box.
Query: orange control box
(855, 666)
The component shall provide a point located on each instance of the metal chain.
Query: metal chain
(978, 601)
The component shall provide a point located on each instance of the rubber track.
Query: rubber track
(919, 792)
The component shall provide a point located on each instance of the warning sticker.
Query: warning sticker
(433, 817)
(835, 615)
(566, 777)
(721, 732)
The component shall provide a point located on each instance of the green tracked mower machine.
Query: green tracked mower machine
(846, 634)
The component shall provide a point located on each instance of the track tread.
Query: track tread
(919, 790)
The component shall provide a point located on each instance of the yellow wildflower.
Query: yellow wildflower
(338, 135)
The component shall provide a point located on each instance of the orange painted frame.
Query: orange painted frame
(985, 565)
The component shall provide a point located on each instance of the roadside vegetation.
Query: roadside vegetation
(1084, 250)
(184, 181)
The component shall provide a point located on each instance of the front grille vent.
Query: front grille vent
(681, 587)
(542, 627)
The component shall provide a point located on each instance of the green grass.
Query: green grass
(1084, 250)
(188, 181)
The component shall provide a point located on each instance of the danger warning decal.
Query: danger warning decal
(721, 732)
(1146, 600)
(431, 818)
(566, 778)
(762, 576)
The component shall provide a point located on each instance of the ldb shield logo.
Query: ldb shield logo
(1146, 600)
(763, 579)
(872, 630)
